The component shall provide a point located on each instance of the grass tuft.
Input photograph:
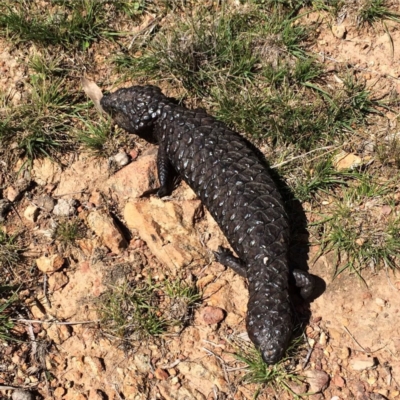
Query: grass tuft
(281, 376)
(6, 323)
(10, 250)
(130, 311)
(376, 10)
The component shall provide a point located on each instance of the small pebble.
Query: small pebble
(64, 208)
(31, 213)
(45, 202)
(212, 315)
(322, 339)
(318, 380)
(20, 394)
(5, 205)
(120, 159)
(362, 362)
(161, 374)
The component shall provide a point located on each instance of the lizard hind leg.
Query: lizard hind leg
(305, 282)
(225, 257)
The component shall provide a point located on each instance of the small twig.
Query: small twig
(32, 338)
(36, 321)
(214, 344)
(67, 194)
(45, 291)
(310, 350)
(2, 387)
(172, 365)
(223, 365)
(330, 148)
(358, 344)
(388, 278)
(354, 340)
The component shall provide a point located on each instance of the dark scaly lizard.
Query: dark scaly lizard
(237, 189)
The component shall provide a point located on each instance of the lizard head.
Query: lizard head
(134, 109)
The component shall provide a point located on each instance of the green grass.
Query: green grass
(280, 376)
(145, 309)
(357, 232)
(70, 24)
(376, 10)
(95, 136)
(10, 250)
(67, 232)
(131, 310)
(6, 323)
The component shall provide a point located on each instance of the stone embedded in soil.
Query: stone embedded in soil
(136, 178)
(361, 363)
(20, 394)
(121, 159)
(161, 374)
(105, 227)
(45, 171)
(338, 381)
(59, 392)
(96, 364)
(31, 213)
(57, 281)
(15, 192)
(5, 206)
(339, 31)
(318, 380)
(96, 394)
(59, 333)
(212, 315)
(46, 203)
(167, 228)
(65, 208)
(343, 161)
(50, 264)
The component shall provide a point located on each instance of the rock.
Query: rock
(96, 395)
(343, 161)
(96, 364)
(59, 333)
(344, 353)
(57, 281)
(31, 213)
(362, 362)
(20, 394)
(212, 315)
(322, 339)
(161, 374)
(318, 380)
(105, 227)
(380, 302)
(167, 228)
(11, 193)
(45, 171)
(46, 203)
(339, 31)
(338, 381)
(5, 206)
(135, 179)
(64, 208)
(50, 264)
(15, 192)
(96, 198)
(121, 159)
(59, 392)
